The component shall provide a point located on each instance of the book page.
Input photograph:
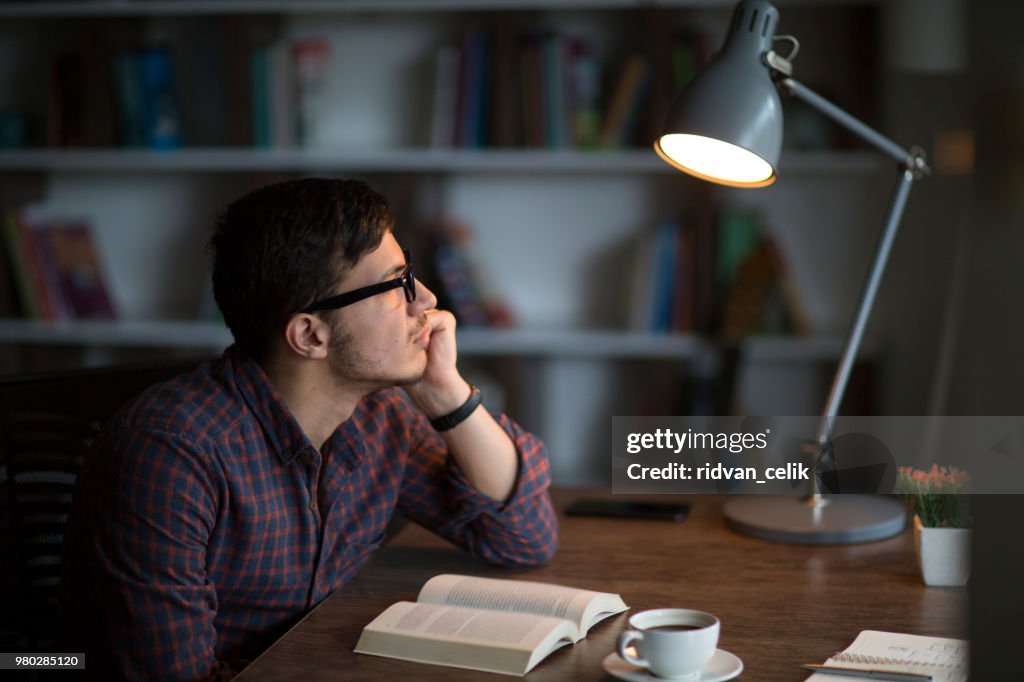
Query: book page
(945, 659)
(497, 641)
(581, 607)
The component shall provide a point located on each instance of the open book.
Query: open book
(501, 626)
(942, 658)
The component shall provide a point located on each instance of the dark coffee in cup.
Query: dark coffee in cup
(675, 628)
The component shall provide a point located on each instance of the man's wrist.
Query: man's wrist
(438, 401)
(461, 413)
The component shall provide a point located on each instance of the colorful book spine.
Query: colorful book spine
(36, 281)
(57, 307)
(281, 100)
(79, 275)
(161, 113)
(260, 98)
(662, 300)
(20, 266)
(475, 86)
(310, 63)
(553, 78)
(584, 76)
(626, 102)
(129, 99)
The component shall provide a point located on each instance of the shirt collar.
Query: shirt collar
(282, 430)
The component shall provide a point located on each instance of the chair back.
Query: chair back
(47, 424)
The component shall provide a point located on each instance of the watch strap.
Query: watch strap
(459, 414)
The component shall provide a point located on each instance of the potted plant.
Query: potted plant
(942, 536)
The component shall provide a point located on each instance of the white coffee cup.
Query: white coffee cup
(671, 643)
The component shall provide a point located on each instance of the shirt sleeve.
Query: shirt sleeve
(135, 575)
(521, 531)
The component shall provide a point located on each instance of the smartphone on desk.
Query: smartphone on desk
(629, 509)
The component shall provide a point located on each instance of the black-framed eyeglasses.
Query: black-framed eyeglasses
(406, 280)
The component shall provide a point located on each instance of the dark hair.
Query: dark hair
(279, 248)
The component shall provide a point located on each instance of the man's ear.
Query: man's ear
(308, 336)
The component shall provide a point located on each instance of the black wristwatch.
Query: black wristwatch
(459, 414)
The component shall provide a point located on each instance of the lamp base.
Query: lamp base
(834, 520)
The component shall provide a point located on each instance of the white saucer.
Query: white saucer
(722, 666)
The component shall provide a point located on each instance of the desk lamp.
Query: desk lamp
(726, 127)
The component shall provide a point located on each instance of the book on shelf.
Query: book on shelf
(444, 113)
(557, 119)
(161, 115)
(698, 274)
(532, 102)
(80, 98)
(487, 624)
(451, 274)
(11, 304)
(311, 59)
(20, 275)
(281, 101)
(288, 85)
(57, 267)
(30, 281)
(944, 658)
(128, 97)
(146, 96)
(475, 85)
(75, 262)
(626, 102)
(548, 88)
(669, 281)
(759, 294)
(259, 98)
(53, 305)
(506, 126)
(584, 86)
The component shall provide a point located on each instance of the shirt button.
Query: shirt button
(312, 504)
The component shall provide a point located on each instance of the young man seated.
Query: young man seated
(220, 506)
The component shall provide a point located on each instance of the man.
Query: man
(220, 506)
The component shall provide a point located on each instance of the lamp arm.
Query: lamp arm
(909, 158)
(860, 320)
(912, 166)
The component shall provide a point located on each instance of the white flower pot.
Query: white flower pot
(944, 554)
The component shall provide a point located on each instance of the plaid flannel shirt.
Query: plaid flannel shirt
(205, 523)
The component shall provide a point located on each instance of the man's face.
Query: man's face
(382, 340)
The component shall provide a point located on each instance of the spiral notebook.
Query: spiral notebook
(944, 659)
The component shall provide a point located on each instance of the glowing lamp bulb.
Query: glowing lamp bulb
(715, 160)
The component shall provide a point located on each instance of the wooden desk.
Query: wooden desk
(780, 605)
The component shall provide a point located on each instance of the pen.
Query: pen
(869, 674)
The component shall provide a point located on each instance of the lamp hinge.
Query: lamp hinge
(779, 65)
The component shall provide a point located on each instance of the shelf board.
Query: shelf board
(241, 160)
(118, 333)
(111, 8)
(472, 342)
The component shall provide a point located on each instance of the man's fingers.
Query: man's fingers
(439, 320)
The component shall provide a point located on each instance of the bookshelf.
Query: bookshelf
(550, 225)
